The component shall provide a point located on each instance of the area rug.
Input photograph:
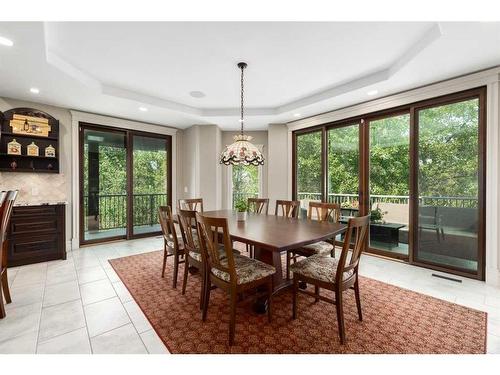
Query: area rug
(395, 320)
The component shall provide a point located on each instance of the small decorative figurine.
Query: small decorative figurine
(32, 149)
(14, 148)
(50, 167)
(50, 151)
(13, 165)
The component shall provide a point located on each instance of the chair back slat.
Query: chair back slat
(3, 194)
(214, 233)
(287, 208)
(191, 204)
(6, 212)
(324, 211)
(357, 229)
(167, 225)
(189, 230)
(6, 207)
(258, 205)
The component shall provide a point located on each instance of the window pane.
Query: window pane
(448, 217)
(389, 183)
(343, 168)
(104, 184)
(245, 182)
(150, 182)
(309, 167)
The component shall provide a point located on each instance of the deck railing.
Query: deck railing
(113, 209)
(461, 202)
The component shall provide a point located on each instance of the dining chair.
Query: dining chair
(191, 204)
(319, 211)
(173, 244)
(193, 256)
(7, 200)
(232, 273)
(287, 208)
(337, 275)
(256, 206)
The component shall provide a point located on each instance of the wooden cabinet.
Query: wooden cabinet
(36, 234)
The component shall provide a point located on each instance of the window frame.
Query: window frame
(364, 139)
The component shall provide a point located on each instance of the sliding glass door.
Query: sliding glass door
(343, 168)
(103, 178)
(448, 185)
(149, 182)
(389, 184)
(309, 185)
(417, 170)
(124, 177)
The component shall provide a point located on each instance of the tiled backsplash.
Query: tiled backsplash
(35, 188)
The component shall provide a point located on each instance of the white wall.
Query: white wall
(489, 78)
(279, 166)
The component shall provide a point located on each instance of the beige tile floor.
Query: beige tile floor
(80, 305)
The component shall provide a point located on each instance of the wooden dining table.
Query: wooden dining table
(272, 235)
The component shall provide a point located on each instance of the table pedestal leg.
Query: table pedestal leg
(273, 258)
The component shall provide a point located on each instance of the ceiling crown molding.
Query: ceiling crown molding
(348, 86)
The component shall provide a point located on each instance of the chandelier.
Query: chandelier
(241, 151)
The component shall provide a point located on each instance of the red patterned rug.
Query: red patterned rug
(395, 320)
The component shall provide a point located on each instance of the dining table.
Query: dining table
(272, 235)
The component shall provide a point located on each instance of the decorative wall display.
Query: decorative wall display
(29, 141)
(50, 151)
(29, 125)
(14, 148)
(33, 149)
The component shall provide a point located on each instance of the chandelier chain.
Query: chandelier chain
(242, 92)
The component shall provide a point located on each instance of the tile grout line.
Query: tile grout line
(41, 312)
(126, 311)
(83, 310)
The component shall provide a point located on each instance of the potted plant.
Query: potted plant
(241, 208)
(376, 215)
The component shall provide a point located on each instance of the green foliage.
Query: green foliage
(447, 154)
(245, 182)
(241, 205)
(149, 177)
(376, 215)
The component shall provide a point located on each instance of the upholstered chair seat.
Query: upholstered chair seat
(247, 270)
(319, 267)
(321, 248)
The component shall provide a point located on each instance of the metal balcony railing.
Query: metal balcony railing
(461, 202)
(113, 209)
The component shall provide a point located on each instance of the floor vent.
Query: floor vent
(447, 278)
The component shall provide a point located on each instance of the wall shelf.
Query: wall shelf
(23, 162)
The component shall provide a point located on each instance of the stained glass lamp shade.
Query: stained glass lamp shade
(242, 151)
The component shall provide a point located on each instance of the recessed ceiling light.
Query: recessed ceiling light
(197, 94)
(6, 42)
(143, 109)
(34, 90)
(296, 114)
(372, 92)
